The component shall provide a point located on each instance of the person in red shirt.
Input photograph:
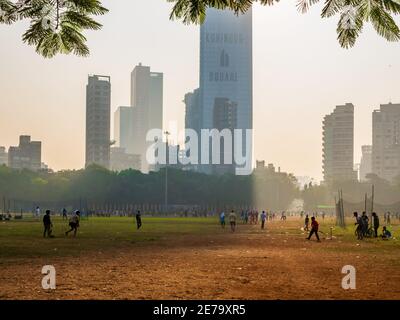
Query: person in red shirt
(314, 229)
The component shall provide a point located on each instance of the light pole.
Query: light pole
(166, 172)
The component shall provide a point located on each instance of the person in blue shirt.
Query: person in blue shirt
(222, 219)
(263, 218)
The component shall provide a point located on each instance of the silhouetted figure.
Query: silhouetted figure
(47, 224)
(365, 222)
(64, 214)
(138, 219)
(376, 223)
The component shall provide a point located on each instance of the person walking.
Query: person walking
(376, 224)
(263, 218)
(314, 229)
(138, 220)
(47, 224)
(232, 220)
(74, 223)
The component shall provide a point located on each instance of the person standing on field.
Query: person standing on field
(376, 224)
(138, 219)
(37, 212)
(263, 218)
(47, 224)
(64, 214)
(306, 223)
(359, 228)
(222, 219)
(232, 220)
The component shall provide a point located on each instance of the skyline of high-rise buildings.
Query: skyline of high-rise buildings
(219, 49)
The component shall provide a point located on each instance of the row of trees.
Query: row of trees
(97, 185)
(263, 189)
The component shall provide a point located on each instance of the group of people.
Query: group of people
(253, 216)
(232, 220)
(48, 224)
(362, 226)
(264, 216)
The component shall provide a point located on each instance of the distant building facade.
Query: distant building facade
(3, 156)
(386, 141)
(366, 162)
(147, 104)
(225, 118)
(226, 73)
(121, 160)
(27, 155)
(123, 128)
(338, 144)
(98, 112)
(193, 111)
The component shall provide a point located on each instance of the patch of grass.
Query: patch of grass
(24, 239)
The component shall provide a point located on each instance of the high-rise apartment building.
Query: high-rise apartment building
(386, 141)
(28, 154)
(147, 102)
(338, 144)
(98, 110)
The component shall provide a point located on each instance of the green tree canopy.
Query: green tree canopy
(56, 26)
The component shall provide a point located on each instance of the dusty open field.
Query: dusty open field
(250, 264)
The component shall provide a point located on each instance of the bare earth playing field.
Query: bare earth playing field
(249, 264)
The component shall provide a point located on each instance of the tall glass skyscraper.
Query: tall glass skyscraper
(226, 71)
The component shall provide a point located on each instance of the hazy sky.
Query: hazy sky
(300, 74)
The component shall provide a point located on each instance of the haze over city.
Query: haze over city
(296, 81)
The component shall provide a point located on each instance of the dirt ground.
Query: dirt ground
(249, 264)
